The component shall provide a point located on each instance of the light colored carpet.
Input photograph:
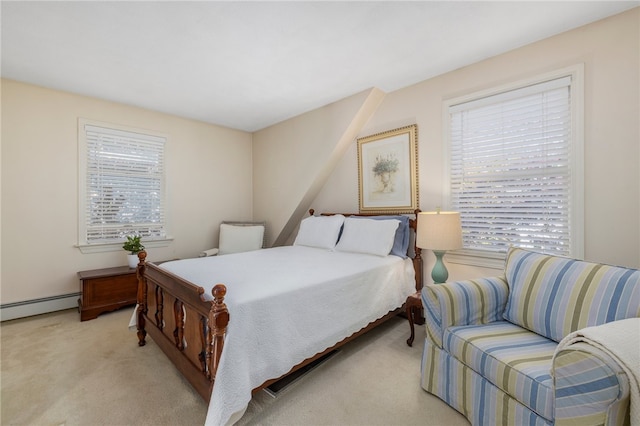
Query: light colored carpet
(56, 370)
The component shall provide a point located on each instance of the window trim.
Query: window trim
(483, 258)
(82, 243)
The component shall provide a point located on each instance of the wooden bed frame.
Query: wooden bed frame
(167, 302)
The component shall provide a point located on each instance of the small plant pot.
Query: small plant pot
(133, 260)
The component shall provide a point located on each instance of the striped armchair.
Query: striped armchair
(491, 346)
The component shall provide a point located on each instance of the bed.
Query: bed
(279, 309)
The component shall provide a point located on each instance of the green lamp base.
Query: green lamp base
(439, 272)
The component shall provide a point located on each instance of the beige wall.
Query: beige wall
(217, 173)
(293, 159)
(209, 180)
(610, 51)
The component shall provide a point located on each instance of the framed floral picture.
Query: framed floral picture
(387, 171)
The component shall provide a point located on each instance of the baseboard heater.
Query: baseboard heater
(27, 308)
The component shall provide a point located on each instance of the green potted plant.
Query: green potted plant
(133, 245)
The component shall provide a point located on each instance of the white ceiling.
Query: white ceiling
(248, 65)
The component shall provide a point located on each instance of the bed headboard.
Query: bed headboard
(414, 251)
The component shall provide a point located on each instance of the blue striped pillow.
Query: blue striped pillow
(553, 296)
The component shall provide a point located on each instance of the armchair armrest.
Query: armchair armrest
(210, 252)
(467, 302)
(590, 387)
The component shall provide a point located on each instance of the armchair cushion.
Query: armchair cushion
(554, 296)
(515, 360)
(235, 238)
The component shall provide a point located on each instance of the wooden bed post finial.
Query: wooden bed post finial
(218, 321)
(142, 256)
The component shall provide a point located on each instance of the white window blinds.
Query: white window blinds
(510, 168)
(124, 185)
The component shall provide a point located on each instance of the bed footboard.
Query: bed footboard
(189, 329)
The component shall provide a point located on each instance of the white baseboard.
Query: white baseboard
(45, 305)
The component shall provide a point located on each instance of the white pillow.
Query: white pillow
(368, 236)
(319, 231)
(239, 238)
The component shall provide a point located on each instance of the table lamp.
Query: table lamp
(439, 231)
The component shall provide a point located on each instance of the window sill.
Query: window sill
(102, 248)
(484, 259)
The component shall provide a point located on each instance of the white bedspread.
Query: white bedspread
(286, 304)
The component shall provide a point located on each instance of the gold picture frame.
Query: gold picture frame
(388, 171)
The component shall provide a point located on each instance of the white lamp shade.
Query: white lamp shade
(439, 231)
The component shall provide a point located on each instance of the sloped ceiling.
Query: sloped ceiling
(248, 65)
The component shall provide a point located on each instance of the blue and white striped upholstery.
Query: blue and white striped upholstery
(513, 359)
(583, 369)
(463, 303)
(554, 296)
(498, 372)
(475, 397)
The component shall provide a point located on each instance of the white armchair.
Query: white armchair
(236, 237)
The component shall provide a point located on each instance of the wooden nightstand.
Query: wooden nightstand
(105, 290)
(413, 306)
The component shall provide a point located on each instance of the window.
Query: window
(121, 186)
(515, 167)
